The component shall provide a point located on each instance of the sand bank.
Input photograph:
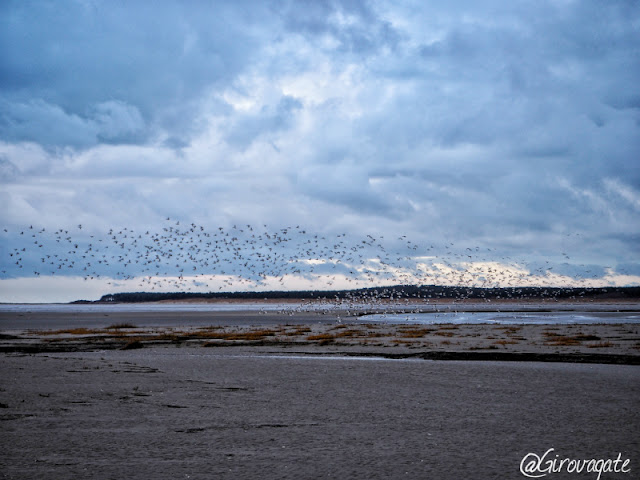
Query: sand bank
(592, 343)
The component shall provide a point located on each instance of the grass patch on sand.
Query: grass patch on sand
(561, 340)
(251, 335)
(376, 334)
(71, 331)
(510, 330)
(338, 327)
(298, 331)
(351, 332)
(414, 332)
(583, 337)
(120, 326)
(399, 341)
(320, 336)
(444, 333)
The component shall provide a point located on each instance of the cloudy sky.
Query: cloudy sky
(507, 129)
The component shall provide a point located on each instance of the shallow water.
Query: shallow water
(142, 307)
(192, 314)
(505, 318)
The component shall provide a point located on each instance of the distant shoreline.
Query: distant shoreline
(395, 293)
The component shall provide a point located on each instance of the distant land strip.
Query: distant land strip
(390, 293)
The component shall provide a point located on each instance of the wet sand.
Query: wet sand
(204, 413)
(351, 404)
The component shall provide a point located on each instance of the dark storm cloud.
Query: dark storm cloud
(353, 24)
(77, 64)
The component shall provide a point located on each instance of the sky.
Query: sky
(458, 142)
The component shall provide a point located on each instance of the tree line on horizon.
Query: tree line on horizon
(398, 292)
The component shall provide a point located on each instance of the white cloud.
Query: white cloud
(629, 194)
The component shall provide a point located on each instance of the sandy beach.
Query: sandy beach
(259, 395)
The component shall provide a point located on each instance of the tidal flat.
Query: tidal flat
(295, 397)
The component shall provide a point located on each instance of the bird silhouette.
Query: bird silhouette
(184, 255)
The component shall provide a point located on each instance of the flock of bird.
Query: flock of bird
(190, 257)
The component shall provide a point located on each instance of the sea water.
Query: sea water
(11, 313)
(505, 318)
